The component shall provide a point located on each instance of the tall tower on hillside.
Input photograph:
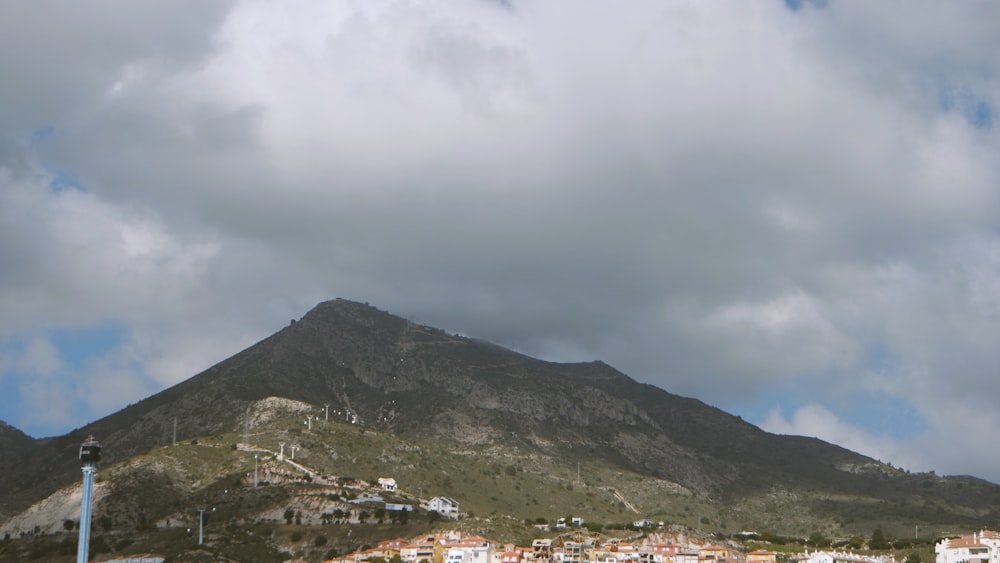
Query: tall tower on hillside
(90, 454)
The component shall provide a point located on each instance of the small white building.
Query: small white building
(387, 484)
(842, 557)
(471, 554)
(444, 506)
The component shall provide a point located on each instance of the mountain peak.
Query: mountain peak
(422, 383)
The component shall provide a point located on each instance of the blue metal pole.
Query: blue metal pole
(201, 526)
(83, 546)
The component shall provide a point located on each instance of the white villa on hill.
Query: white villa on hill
(444, 506)
(981, 547)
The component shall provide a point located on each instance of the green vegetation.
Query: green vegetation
(506, 491)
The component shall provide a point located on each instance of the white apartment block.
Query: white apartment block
(981, 547)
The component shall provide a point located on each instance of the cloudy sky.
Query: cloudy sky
(789, 210)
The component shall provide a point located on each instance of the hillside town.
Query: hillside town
(318, 499)
(456, 547)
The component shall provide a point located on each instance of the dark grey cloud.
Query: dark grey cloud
(746, 204)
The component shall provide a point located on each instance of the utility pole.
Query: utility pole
(281, 455)
(255, 471)
(309, 422)
(90, 454)
(326, 412)
(201, 525)
(293, 452)
(175, 430)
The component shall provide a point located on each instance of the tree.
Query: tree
(817, 539)
(289, 515)
(913, 557)
(68, 525)
(878, 540)
(320, 541)
(98, 545)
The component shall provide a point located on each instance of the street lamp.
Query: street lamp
(90, 454)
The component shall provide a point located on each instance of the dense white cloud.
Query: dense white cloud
(735, 202)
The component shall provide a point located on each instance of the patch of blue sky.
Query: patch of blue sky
(41, 135)
(881, 359)
(10, 398)
(10, 405)
(796, 5)
(77, 346)
(878, 413)
(886, 415)
(64, 180)
(982, 115)
(976, 110)
(11, 380)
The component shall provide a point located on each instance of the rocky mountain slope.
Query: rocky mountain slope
(426, 385)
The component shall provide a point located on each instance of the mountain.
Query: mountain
(426, 386)
(16, 447)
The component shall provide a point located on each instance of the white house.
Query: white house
(471, 554)
(843, 557)
(444, 506)
(981, 547)
(387, 484)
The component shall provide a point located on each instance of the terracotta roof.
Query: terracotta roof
(964, 541)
